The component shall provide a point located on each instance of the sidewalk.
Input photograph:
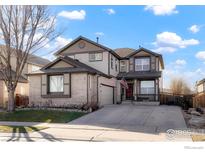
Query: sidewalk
(68, 132)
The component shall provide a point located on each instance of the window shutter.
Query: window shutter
(153, 63)
(131, 64)
(66, 84)
(44, 85)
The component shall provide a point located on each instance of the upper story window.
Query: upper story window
(122, 66)
(116, 64)
(34, 68)
(95, 56)
(112, 62)
(200, 88)
(56, 84)
(142, 64)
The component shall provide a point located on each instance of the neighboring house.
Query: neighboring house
(34, 63)
(199, 97)
(200, 87)
(88, 72)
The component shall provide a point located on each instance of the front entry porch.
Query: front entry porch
(141, 91)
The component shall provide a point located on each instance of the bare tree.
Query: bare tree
(23, 30)
(179, 86)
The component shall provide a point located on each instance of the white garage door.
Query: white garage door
(106, 95)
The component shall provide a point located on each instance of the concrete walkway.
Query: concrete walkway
(111, 123)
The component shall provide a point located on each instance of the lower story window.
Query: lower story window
(56, 83)
(147, 87)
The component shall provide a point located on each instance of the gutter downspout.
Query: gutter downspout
(98, 89)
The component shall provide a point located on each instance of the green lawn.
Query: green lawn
(40, 116)
(20, 129)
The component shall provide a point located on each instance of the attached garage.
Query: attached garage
(106, 94)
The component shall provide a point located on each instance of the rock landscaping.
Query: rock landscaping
(195, 118)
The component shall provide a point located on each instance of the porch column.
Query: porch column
(156, 89)
(135, 89)
(124, 95)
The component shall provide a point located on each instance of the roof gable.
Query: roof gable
(58, 63)
(74, 66)
(145, 51)
(61, 64)
(82, 44)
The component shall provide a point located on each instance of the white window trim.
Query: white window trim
(49, 82)
(123, 66)
(142, 64)
(95, 59)
(147, 88)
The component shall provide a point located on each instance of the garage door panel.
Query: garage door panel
(106, 95)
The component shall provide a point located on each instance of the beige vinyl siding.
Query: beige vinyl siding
(99, 65)
(113, 70)
(131, 64)
(89, 47)
(61, 64)
(126, 68)
(153, 63)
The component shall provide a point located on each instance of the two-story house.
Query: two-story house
(33, 63)
(200, 86)
(199, 97)
(88, 72)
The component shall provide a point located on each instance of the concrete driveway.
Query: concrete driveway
(123, 122)
(149, 119)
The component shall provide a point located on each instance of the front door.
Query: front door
(129, 91)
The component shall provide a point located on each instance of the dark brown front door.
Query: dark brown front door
(129, 91)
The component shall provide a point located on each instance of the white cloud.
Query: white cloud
(170, 42)
(180, 62)
(39, 36)
(61, 41)
(200, 55)
(56, 44)
(194, 28)
(110, 11)
(73, 15)
(99, 34)
(162, 9)
(164, 49)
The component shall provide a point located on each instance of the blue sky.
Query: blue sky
(177, 32)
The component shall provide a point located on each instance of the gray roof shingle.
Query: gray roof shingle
(21, 78)
(123, 52)
(78, 67)
(139, 75)
(36, 60)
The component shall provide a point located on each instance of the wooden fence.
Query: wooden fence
(21, 100)
(199, 100)
(185, 101)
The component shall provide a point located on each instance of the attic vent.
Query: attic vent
(81, 45)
